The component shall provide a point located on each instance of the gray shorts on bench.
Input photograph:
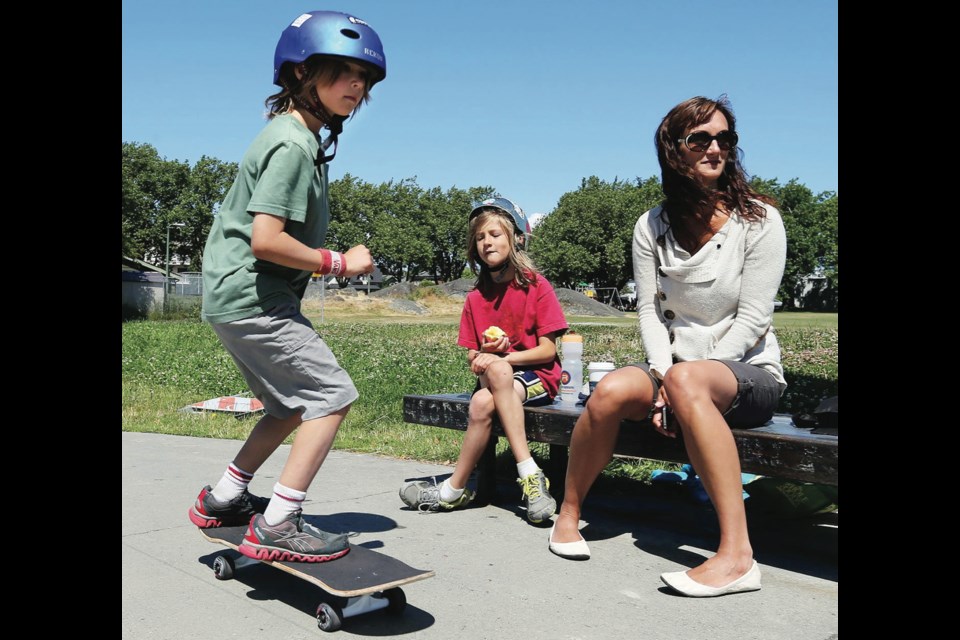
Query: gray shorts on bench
(758, 394)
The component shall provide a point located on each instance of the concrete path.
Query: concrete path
(495, 577)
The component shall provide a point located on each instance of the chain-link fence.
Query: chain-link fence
(189, 284)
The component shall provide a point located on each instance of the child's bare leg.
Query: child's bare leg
(508, 399)
(310, 448)
(268, 434)
(479, 423)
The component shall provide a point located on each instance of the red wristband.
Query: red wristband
(332, 262)
(325, 261)
(338, 264)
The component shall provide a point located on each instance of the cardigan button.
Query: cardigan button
(662, 295)
(669, 315)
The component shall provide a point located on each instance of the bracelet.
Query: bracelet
(338, 264)
(331, 262)
(324, 267)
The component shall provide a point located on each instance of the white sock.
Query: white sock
(448, 493)
(283, 502)
(527, 467)
(232, 484)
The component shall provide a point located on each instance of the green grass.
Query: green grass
(168, 365)
(781, 320)
(806, 320)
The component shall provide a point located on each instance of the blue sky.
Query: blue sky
(528, 97)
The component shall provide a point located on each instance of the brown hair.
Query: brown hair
(685, 194)
(316, 69)
(524, 271)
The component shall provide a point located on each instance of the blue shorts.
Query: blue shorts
(758, 394)
(537, 395)
(287, 366)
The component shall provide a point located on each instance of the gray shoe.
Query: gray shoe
(292, 540)
(536, 497)
(425, 496)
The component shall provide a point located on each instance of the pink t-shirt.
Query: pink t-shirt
(525, 314)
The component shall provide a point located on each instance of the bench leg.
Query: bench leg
(557, 471)
(487, 473)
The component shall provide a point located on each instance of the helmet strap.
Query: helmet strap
(332, 122)
(336, 127)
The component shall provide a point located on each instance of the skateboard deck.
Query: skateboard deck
(367, 579)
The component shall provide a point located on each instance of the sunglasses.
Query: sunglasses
(700, 141)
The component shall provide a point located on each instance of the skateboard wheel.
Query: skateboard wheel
(397, 601)
(223, 568)
(329, 617)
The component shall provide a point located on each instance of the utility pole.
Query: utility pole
(166, 279)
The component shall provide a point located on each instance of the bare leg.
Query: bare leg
(623, 394)
(479, 424)
(499, 387)
(698, 392)
(268, 434)
(508, 399)
(310, 447)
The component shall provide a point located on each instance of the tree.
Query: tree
(353, 203)
(156, 192)
(449, 224)
(589, 236)
(407, 229)
(811, 276)
(207, 186)
(151, 187)
(401, 231)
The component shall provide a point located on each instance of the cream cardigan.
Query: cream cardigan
(716, 304)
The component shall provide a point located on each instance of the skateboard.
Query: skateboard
(361, 581)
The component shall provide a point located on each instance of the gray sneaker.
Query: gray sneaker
(536, 497)
(208, 512)
(425, 496)
(293, 540)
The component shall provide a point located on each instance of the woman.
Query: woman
(707, 263)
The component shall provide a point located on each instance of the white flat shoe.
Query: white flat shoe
(680, 582)
(570, 550)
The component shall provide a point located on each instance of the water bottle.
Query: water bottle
(571, 380)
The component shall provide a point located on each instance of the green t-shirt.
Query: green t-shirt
(277, 176)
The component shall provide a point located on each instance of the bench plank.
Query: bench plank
(776, 449)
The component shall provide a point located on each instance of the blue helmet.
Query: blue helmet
(512, 209)
(330, 33)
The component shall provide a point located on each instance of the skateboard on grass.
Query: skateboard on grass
(361, 581)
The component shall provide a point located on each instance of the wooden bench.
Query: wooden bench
(778, 448)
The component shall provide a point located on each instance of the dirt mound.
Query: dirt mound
(399, 290)
(409, 306)
(575, 303)
(457, 288)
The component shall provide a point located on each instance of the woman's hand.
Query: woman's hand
(662, 415)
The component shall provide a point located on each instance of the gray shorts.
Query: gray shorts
(758, 394)
(287, 366)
